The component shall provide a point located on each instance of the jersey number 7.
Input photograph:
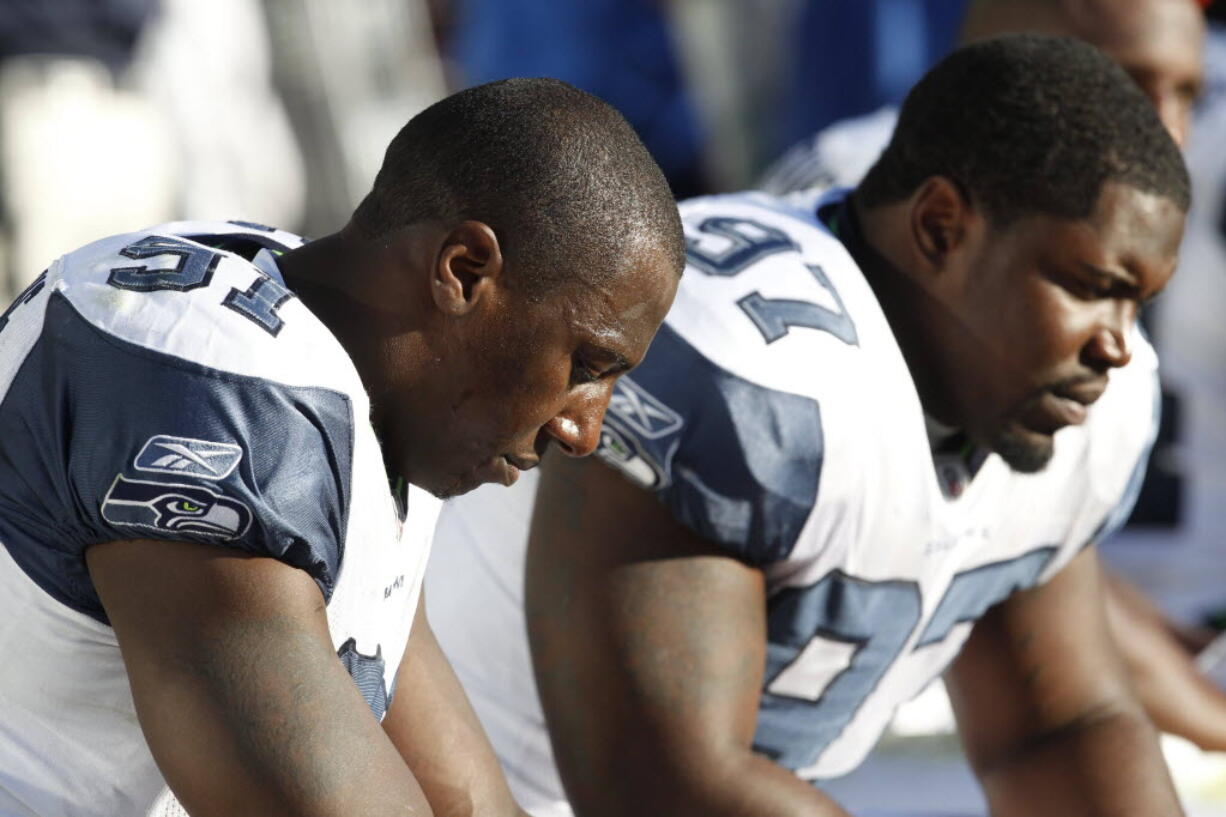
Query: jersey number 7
(728, 246)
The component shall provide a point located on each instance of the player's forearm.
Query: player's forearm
(764, 788)
(436, 731)
(1175, 695)
(233, 652)
(744, 785)
(1108, 764)
(295, 755)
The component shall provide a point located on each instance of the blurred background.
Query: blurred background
(120, 114)
(123, 113)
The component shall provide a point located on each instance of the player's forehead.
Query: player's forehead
(1138, 230)
(1153, 36)
(620, 312)
(1131, 235)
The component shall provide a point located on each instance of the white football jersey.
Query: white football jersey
(775, 415)
(836, 156)
(167, 385)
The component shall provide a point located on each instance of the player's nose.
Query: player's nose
(1109, 347)
(576, 429)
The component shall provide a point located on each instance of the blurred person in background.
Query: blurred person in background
(90, 90)
(350, 74)
(1160, 44)
(623, 51)
(703, 81)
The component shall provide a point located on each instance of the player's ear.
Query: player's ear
(468, 263)
(939, 220)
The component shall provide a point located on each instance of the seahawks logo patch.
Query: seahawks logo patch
(620, 451)
(169, 508)
(164, 454)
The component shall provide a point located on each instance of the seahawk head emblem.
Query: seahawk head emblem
(172, 508)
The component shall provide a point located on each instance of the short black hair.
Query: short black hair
(558, 174)
(1028, 124)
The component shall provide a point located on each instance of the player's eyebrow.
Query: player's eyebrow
(1124, 277)
(616, 361)
(1120, 275)
(1127, 280)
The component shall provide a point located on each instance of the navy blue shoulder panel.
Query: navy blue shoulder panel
(103, 440)
(245, 245)
(736, 462)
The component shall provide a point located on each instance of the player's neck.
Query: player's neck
(875, 237)
(344, 280)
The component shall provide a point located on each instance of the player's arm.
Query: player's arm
(649, 650)
(433, 725)
(1178, 698)
(1048, 718)
(238, 689)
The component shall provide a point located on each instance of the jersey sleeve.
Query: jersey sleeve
(113, 441)
(837, 156)
(735, 461)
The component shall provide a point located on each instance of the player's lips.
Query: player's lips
(1066, 405)
(1064, 410)
(1086, 392)
(497, 470)
(1063, 405)
(523, 463)
(505, 469)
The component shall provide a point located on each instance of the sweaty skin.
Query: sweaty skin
(462, 348)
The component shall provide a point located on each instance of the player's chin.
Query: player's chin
(1025, 450)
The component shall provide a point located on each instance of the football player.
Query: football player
(221, 448)
(1159, 43)
(874, 442)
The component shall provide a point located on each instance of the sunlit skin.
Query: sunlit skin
(1011, 333)
(535, 374)
(469, 377)
(1159, 43)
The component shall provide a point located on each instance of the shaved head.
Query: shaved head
(1158, 42)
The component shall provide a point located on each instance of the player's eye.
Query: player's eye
(1099, 288)
(1089, 288)
(583, 372)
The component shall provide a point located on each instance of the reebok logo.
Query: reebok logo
(184, 456)
(643, 413)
